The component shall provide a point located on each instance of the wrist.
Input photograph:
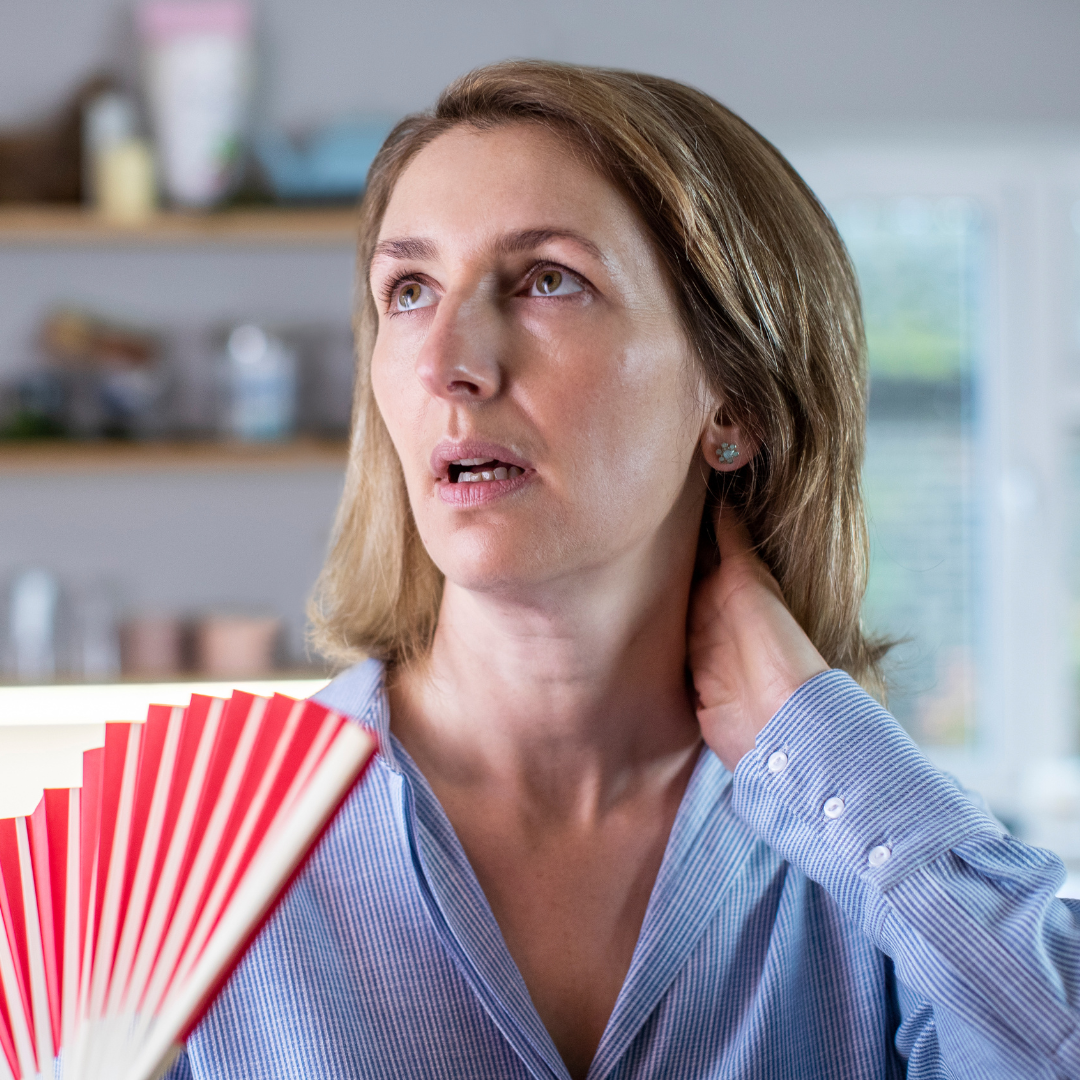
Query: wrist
(731, 728)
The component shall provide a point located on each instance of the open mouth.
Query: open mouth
(478, 470)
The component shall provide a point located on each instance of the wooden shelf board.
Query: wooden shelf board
(35, 226)
(74, 456)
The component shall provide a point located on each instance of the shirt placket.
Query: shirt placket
(463, 920)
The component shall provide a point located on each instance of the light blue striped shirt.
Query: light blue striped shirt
(903, 933)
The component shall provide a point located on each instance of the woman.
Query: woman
(605, 330)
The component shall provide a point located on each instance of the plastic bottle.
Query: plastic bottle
(125, 183)
(259, 384)
(198, 81)
(110, 118)
(32, 609)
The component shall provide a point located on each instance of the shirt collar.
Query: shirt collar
(706, 851)
(359, 692)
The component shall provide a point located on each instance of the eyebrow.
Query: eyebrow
(419, 248)
(515, 243)
(407, 247)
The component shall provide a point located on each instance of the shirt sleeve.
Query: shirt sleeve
(986, 957)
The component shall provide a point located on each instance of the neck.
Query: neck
(564, 691)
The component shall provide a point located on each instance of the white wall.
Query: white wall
(781, 63)
(188, 542)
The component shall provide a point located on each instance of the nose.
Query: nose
(460, 357)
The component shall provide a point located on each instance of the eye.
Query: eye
(554, 283)
(411, 295)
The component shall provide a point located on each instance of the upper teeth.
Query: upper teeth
(501, 473)
(472, 461)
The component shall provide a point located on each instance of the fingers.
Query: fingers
(732, 535)
(737, 549)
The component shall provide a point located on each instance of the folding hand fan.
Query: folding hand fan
(126, 904)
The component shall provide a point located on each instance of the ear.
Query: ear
(725, 446)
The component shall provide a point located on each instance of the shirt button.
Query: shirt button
(879, 855)
(834, 807)
(778, 762)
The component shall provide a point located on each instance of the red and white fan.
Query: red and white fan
(126, 904)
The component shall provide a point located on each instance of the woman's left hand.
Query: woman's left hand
(747, 653)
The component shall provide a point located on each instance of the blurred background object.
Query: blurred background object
(1050, 801)
(95, 376)
(94, 633)
(109, 119)
(33, 406)
(152, 646)
(920, 261)
(944, 139)
(118, 166)
(328, 165)
(236, 646)
(33, 604)
(124, 189)
(57, 628)
(42, 162)
(112, 372)
(198, 85)
(258, 386)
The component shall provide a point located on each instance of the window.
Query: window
(965, 252)
(918, 261)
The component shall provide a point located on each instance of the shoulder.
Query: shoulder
(356, 692)
(370, 828)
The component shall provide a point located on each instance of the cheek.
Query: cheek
(622, 422)
(383, 387)
(631, 409)
(393, 391)
(399, 406)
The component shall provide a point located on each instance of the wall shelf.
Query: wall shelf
(192, 456)
(62, 226)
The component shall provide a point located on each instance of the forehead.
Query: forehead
(515, 176)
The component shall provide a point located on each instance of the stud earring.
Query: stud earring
(727, 453)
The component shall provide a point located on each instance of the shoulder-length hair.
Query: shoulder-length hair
(768, 300)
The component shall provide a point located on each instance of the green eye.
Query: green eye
(548, 282)
(409, 296)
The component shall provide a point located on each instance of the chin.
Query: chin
(491, 559)
(488, 574)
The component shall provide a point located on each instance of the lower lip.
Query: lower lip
(480, 492)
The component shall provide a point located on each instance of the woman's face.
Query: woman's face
(530, 365)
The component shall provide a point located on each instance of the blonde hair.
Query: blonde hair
(769, 302)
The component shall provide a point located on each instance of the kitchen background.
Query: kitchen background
(174, 358)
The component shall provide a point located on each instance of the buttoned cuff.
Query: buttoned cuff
(838, 788)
